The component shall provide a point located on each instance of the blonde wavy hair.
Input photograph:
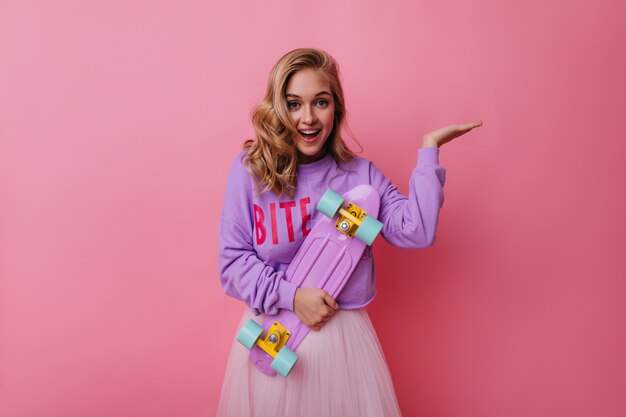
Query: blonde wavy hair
(272, 156)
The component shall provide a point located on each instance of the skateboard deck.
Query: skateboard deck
(326, 260)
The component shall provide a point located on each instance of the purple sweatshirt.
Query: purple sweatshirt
(259, 235)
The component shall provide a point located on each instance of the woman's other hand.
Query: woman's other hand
(446, 134)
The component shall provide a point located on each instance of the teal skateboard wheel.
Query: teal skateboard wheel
(368, 230)
(249, 334)
(330, 203)
(285, 360)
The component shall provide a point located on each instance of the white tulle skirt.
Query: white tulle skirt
(341, 372)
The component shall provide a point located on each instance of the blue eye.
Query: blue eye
(323, 103)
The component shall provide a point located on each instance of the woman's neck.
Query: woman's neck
(307, 159)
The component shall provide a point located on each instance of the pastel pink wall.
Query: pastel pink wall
(118, 122)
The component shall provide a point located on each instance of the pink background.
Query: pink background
(119, 120)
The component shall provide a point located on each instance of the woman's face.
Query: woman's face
(310, 103)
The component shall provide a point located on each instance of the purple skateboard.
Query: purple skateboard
(326, 260)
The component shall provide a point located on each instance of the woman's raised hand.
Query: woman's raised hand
(314, 307)
(446, 134)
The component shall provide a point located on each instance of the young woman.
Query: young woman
(272, 190)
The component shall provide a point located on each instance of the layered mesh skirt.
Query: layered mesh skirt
(341, 372)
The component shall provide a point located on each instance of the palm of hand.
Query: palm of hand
(448, 133)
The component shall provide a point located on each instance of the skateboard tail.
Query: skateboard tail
(367, 196)
(262, 361)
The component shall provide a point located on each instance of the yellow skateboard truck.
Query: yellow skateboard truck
(350, 218)
(273, 344)
(275, 339)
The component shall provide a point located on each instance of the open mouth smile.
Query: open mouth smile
(309, 135)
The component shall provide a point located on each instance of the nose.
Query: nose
(308, 116)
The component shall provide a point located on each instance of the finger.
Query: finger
(325, 316)
(471, 125)
(330, 301)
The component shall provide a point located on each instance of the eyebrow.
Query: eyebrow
(321, 93)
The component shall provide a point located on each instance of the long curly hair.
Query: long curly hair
(272, 155)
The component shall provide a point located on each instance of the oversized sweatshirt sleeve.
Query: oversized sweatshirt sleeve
(243, 275)
(411, 222)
